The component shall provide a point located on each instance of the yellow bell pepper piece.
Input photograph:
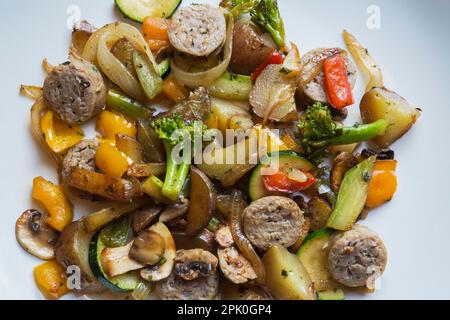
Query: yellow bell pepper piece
(111, 161)
(109, 124)
(290, 143)
(274, 143)
(383, 183)
(50, 279)
(58, 134)
(60, 210)
(174, 90)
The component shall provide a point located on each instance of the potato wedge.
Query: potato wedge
(381, 103)
(97, 220)
(143, 170)
(72, 249)
(223, 162)
(104, 186)
(286, 277)
(202, 202)
(227, 115)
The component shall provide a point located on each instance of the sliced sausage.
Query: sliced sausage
(254, 293)
(235, 267)
(273, 221)
(81, 155)
(198, 30)
(357, 257)
(176, 288)
(75, 90)
(314, 91)
(224, 237)
(195, 263)
(251, 47)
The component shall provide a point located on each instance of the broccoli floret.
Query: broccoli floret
(267, 15)
(318, 130)
(238, 7)
(176, 173)
(316, 126)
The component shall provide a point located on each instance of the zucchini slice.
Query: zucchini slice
(336, 294)
(164, 68)
(352, 196)
(257, 190)
(149, 78)
(232, 86)
(123, 283)
(314, 255)
(137, 10)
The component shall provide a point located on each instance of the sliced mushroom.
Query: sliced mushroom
(319, 211)
(148, 247)
(116, 261)
(235, 267)
(174, 211)
(164, 268)
(142, 218)
(195, 263)
(342, 163)
(35, 236)
(204, 240)
(224, 237)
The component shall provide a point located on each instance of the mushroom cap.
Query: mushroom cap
(148, 247)
(164, 269)
(195, 263)
(35, 236)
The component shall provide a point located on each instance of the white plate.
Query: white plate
(412, 46)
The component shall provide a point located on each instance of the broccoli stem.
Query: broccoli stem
(176, 174)
(348, 135)
(277, 37)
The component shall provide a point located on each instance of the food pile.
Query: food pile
(282, 225)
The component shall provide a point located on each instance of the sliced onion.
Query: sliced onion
(97, 51)
(241, 240)
(181, 67)
(280, 95)
(313, 67)
(47, 66)
(38, 108)
(33, 92)
(296, 175)
(364, 61)
(272, 96)
(115, 70)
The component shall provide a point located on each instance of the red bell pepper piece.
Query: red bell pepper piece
(280, 182)
(274, 58)
(338, 87)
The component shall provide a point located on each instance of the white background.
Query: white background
(412, 47)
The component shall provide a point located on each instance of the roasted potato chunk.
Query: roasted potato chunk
(381, 103)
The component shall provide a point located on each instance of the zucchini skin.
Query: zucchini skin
(352, 196)
(165, 14)
(316, 234)
(164, 68)
(232, 86)
(256, 176)
(100, 275)
(93, 262)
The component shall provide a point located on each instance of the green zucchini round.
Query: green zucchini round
(138, 10)
(123, 283)
(257, 190)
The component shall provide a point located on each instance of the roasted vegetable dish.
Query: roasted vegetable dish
(223, 166)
